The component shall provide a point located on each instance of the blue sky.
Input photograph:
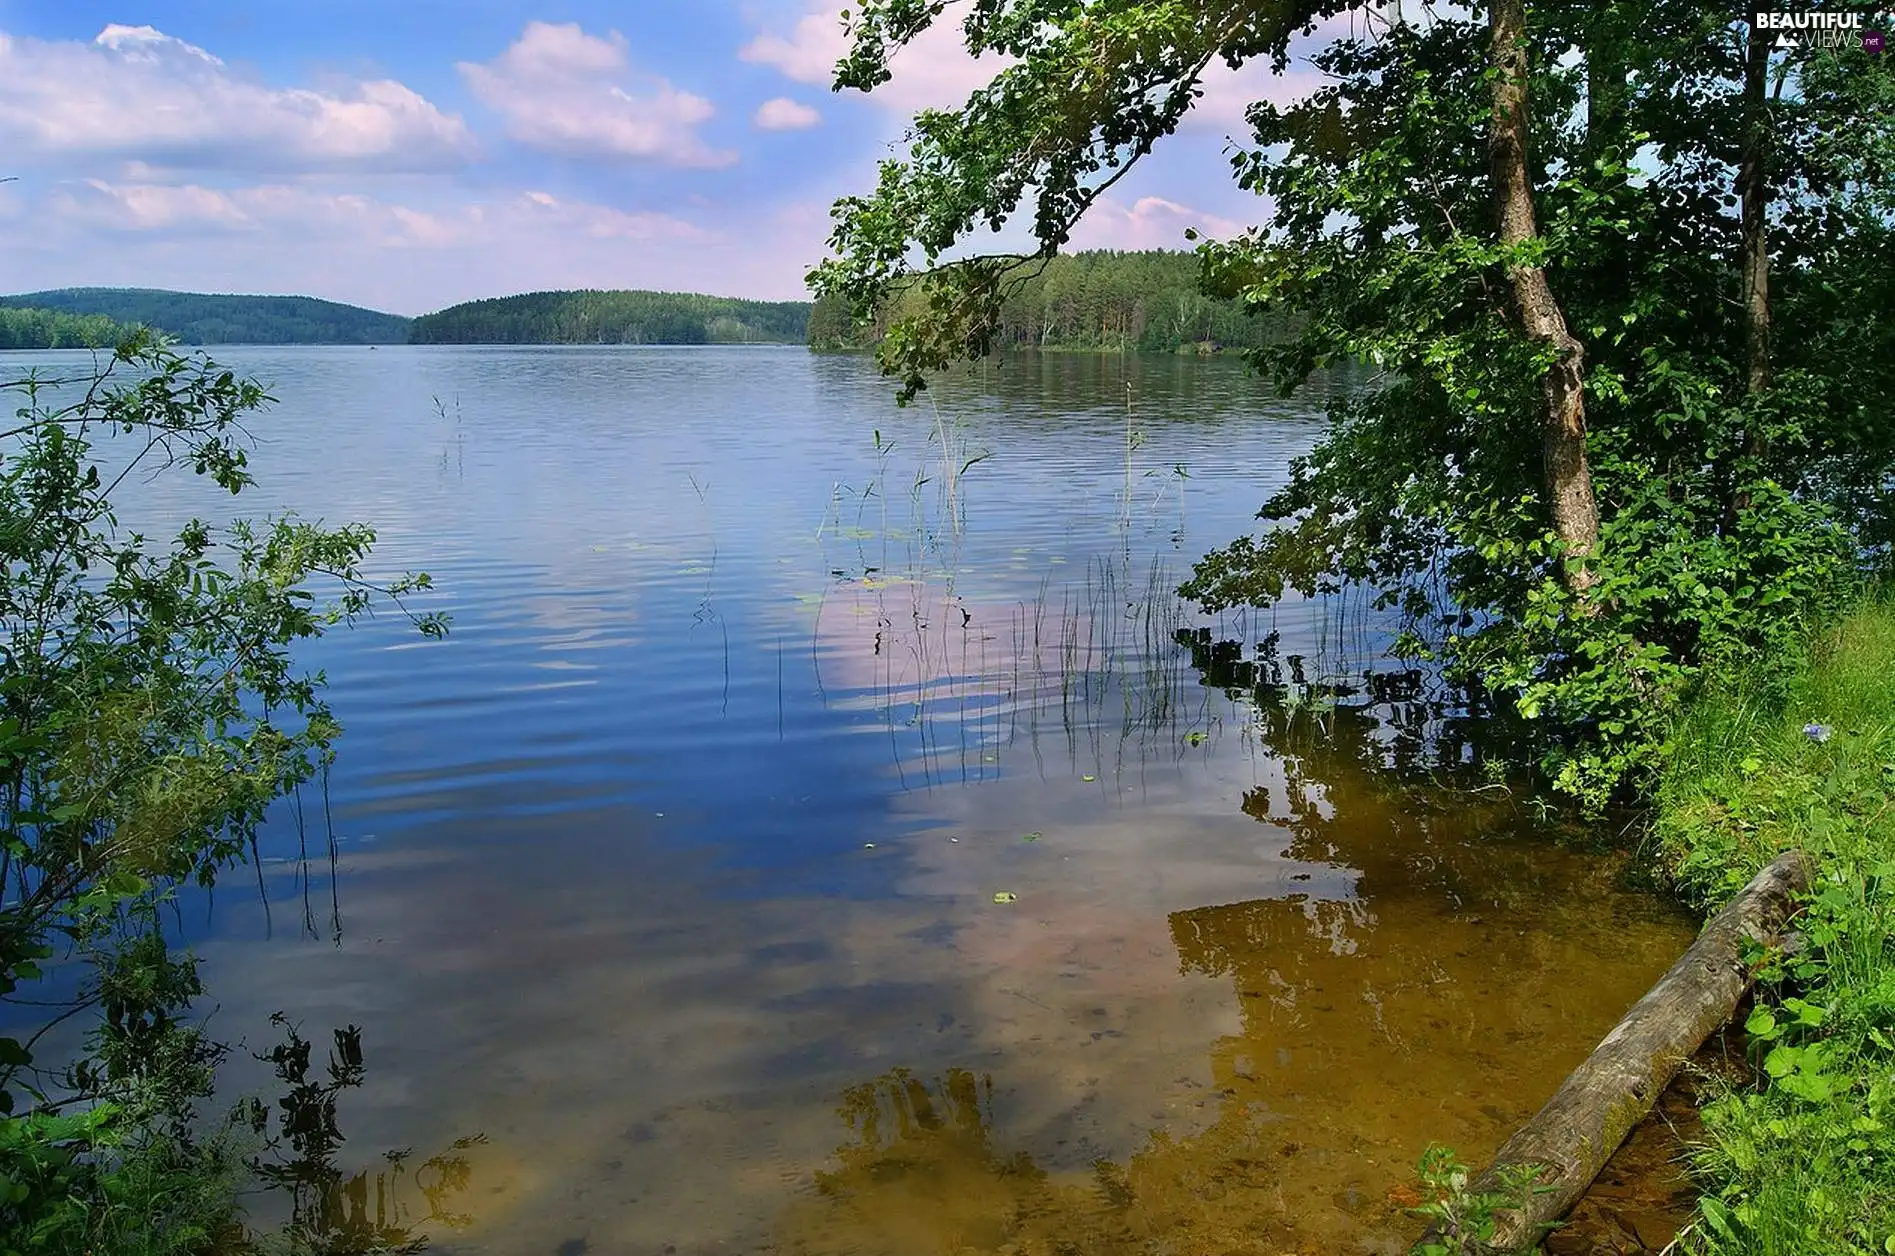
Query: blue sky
(407, 154)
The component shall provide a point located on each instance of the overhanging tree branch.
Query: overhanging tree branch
(1092, 89)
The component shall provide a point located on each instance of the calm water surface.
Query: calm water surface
(673, 872)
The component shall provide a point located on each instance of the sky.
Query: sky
(410, 154)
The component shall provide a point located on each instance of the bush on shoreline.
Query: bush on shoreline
(151, 710)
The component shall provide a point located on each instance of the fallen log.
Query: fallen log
(1569, 1140)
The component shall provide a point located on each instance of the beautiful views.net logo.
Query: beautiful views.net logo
(1822, 28)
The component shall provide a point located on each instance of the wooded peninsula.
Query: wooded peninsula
(42, 328)
(1149, 301)
(630, 318)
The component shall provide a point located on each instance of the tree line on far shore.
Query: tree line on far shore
(614, 317)
(1097, 300)
(194, 318)
(53, 329)
(1100, 299)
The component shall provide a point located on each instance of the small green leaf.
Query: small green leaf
(1006, 896)
(1719, 1217)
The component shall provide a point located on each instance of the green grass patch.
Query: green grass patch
(1801, 754)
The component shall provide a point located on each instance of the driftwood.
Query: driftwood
(1570, 1139)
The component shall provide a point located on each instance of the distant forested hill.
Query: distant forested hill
(53, 329)
(1099, 299)
(615, 317)
(216, 319)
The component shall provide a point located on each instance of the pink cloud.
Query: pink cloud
(150, 206)
(784, 114)
(933, 72)
(175, 211)
(135, 92)
(146, 207)
(936, 71)
(1229, 93)
(544, 212)
(1151, 222)
(556, 88)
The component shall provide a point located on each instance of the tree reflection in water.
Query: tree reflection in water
(333, 1212)
(1434, 970)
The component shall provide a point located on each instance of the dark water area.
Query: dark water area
(823, 832)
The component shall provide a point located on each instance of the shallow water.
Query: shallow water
(673, 872)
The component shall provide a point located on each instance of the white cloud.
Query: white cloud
(139, 94)
(600, 222)
(409, 252)
(189, 208)
(1151, 222)
(933, 72)
(150, 206)
(147, 43)
(784, 114)
(556, 88)
(173, 212)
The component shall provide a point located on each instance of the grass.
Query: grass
(1801, 1161)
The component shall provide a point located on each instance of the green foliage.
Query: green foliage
(620, 317)
(1088, 91)
(198, 318)
(150, 712)
(1732, 517)
(833, 326)
(1801, 753)
(56, 329)
(113, 1160)
(1726, 526)
(81, 1184)
(1465, 1222)
(1099, 299)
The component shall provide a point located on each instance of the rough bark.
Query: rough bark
(1569, 1140)
(1567, 472)
(1753, 199)
(1753, 192)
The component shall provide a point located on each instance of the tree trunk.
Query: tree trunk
(1563, 425)
(1569, 1140)
(1753, 189)
(1753, 199)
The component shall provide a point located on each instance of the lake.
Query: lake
(823, 832)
